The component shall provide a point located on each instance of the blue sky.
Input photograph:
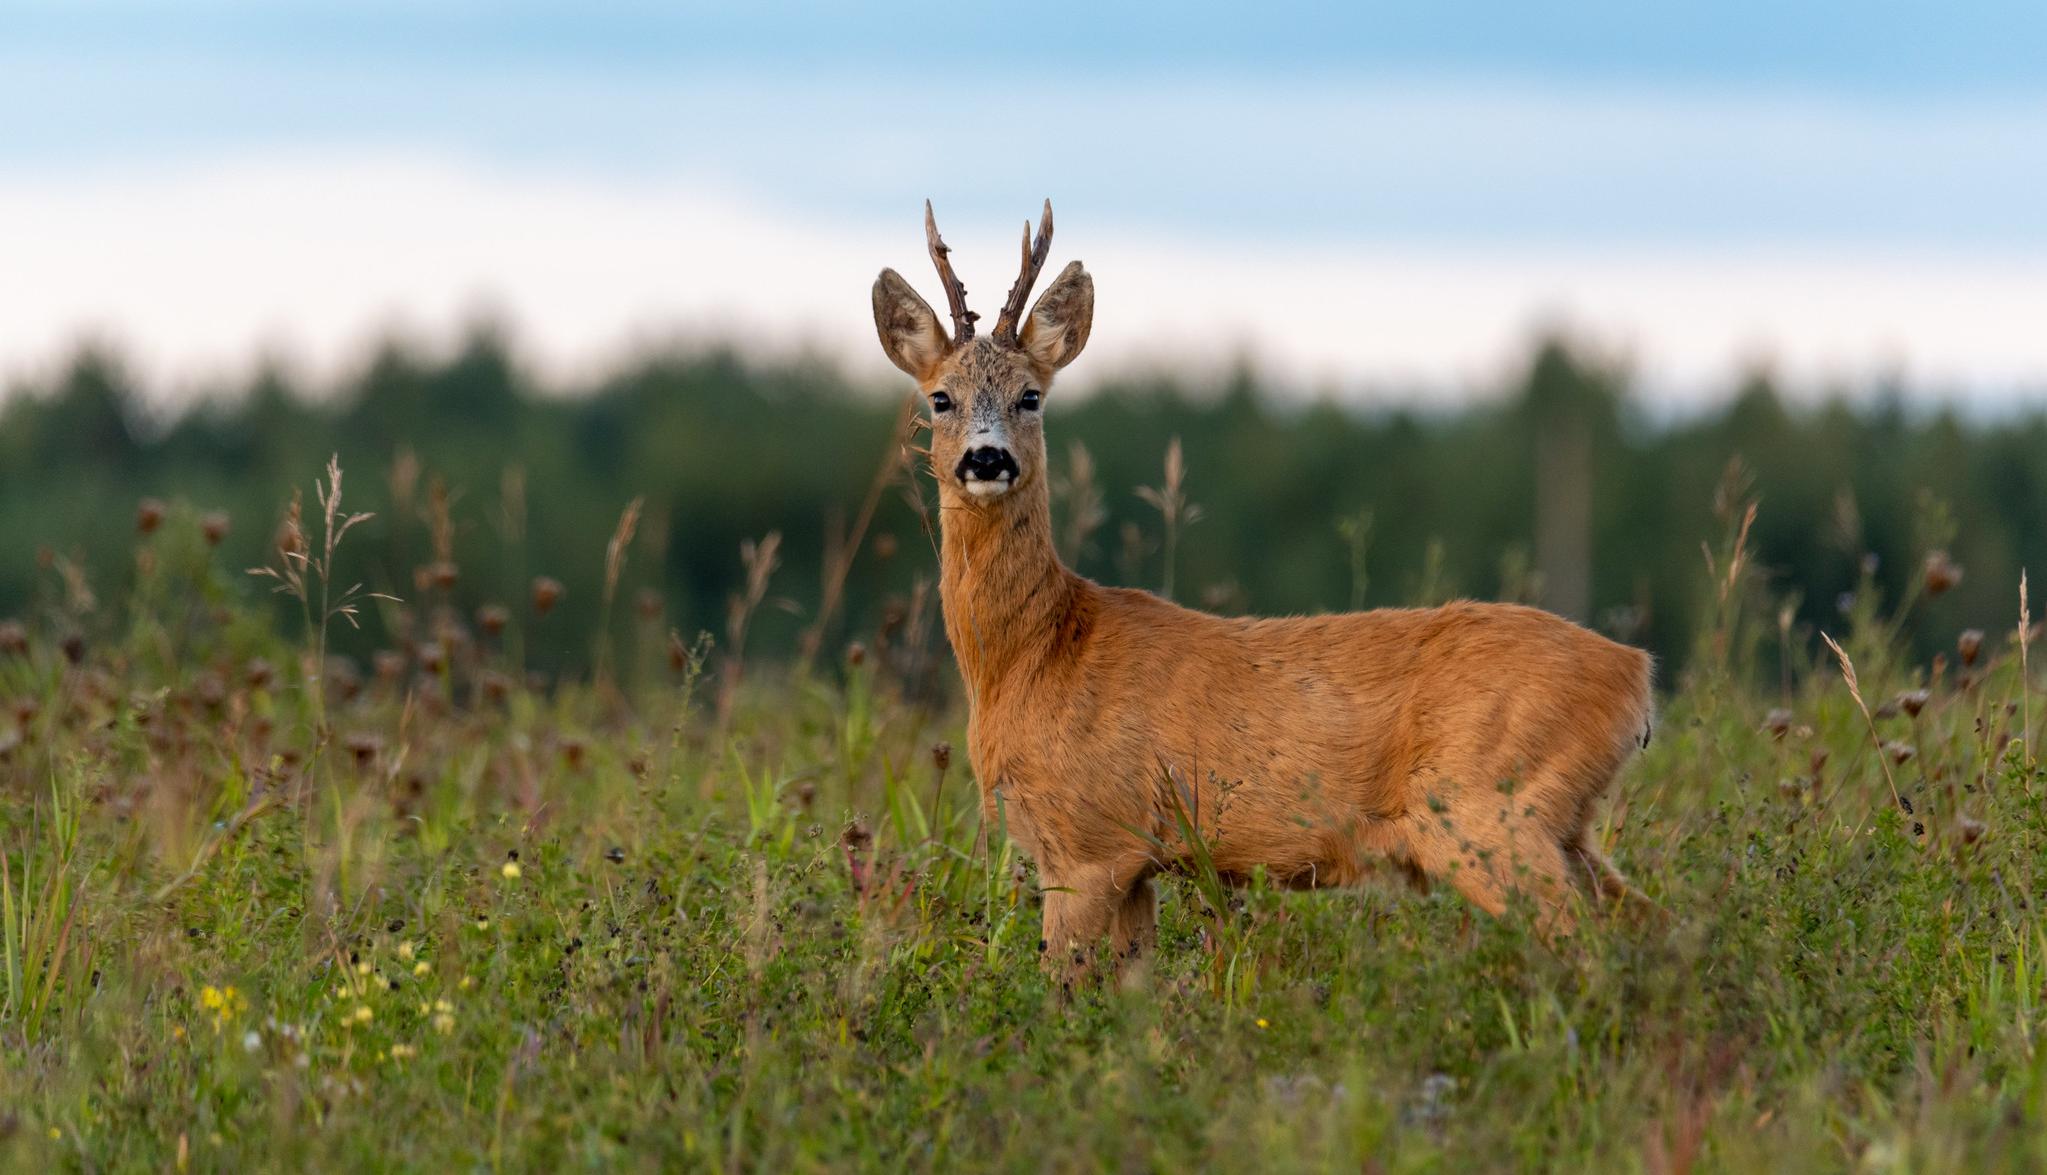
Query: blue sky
(1604, 159)
(1868, 48)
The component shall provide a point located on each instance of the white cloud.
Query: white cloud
(193, 265)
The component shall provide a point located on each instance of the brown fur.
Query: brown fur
(1467, 743)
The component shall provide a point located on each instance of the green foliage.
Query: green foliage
(466, 923)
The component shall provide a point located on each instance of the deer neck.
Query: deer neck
(1001, 584)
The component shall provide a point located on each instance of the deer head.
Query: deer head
(985, 394)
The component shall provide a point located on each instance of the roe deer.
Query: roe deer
(1466, 743)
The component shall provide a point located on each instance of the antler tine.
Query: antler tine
(955, 292)
(1033, 261)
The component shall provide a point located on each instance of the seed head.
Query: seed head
(258, 673)
(13, 638)
(1777, 722)
(149, 514)
(941, 755)
(547, 592)
(1913, 701)
(1970, 645)
(492, 618)
(1942, 573)
(363, 747)
(433, 654)
(214, 525)
(496, 687)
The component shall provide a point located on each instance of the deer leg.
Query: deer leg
(1490, 865)
(1079, 909)
(1598, 879)
(1134, 928)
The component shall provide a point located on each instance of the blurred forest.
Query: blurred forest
(1560, 490)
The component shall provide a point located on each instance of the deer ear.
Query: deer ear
(910, 334)
(1059, 323)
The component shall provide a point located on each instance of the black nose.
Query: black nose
(986, 463)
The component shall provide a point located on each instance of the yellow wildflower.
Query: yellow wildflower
(511, 870)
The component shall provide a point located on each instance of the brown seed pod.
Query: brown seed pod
(496, 687)
(258, 673)
(214, 525)
(1942, 573)
(941, 755)
(149, 514)
(547, 592)
(492, 618)
(1970, 645)
(1777, 722)
(363, 747)
(1913, 701)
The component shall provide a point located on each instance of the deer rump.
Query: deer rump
(1467, 743)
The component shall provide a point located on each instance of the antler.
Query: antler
(1033, 261)
(955, 292)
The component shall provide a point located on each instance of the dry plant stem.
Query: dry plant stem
(839, 561)
(614, 567)
(1170, 500)
(512, 525)
(298, 569)
(760, 559)
(1855, 692)
(1084, 513)
(2026, 678)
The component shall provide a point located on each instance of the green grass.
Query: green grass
(547, 930)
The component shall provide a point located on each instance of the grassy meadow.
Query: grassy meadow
(688, 911)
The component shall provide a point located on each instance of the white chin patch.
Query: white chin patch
(989, 489)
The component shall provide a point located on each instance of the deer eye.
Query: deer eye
(940, 402)
(1029, 403)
